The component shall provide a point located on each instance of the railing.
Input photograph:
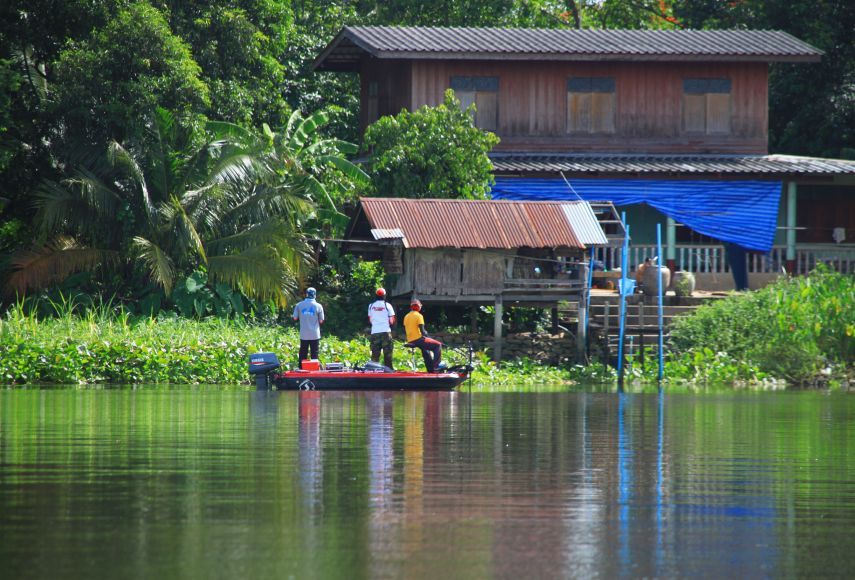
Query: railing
(713, 259)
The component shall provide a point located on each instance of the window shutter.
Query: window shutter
(603, 113)
(578, 112)
(590, 105)
(694, 113)
(487, 114)
(718, 113)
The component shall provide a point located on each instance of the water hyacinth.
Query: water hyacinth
(103, 347)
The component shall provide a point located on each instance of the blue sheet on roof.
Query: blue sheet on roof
(741, 212)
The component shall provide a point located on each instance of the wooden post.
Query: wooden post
(497, 330)
(473, 319)
(641, 329)
(606, 314)
(582, 324)
(554, 313)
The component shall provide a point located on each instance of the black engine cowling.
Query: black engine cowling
(261, 364)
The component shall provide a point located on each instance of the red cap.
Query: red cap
(381, 292)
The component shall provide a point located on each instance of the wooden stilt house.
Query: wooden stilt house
(484, 252)
(669, 125)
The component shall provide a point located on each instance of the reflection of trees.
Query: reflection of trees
(411, 484)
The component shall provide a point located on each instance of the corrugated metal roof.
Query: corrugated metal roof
(454, 223)
(756, 165)
(585, 223)
(387, 234)
(352, 42)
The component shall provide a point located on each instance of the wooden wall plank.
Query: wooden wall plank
(649, 106)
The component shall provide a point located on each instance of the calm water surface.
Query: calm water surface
(229, 483)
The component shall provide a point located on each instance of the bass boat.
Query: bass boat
(264, 367)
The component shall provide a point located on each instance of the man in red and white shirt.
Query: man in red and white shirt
(382, 318)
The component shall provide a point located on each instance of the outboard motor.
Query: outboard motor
(261, 364)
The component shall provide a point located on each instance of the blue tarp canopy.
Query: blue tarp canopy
(744, 213)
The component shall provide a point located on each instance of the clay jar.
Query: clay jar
(648, 284)
(683, 283)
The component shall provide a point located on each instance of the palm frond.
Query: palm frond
(160, 152)
(333, 217)
(122, 158)
(278, 233)
(53, 262)
(258, 203)
(225, 132)
(75, 205)
(158, 263)
(164, 124)
(292, 124)
(318, 190)
(260, 272)
(337, 145)
(35, 77)
(238, 169)
(188, 236)
(93, 191)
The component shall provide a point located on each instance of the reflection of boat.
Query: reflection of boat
(370, 377)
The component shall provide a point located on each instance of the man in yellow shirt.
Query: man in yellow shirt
(414, 324)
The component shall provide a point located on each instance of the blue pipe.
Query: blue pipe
(659, 288)
(622, 293)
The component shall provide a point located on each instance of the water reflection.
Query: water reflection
(312, 485)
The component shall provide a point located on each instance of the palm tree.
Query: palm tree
(170, 203)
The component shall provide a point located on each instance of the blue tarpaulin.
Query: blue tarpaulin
(744, 213)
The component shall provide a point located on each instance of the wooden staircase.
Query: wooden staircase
(642, 322)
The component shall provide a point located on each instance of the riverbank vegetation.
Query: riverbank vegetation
(103, 346)
(800, 330)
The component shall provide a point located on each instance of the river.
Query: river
(217, 482)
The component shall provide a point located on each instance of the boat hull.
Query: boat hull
(366, 381)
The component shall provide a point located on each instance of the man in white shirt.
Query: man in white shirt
(382, 318)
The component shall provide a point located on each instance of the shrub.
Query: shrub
(797, 329)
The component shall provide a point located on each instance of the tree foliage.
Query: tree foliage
(126, 69)
(167, 205)
(241, 50)
(433, 152)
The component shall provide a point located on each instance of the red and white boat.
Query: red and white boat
(264, 366)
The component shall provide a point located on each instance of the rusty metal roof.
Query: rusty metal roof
(485, 224)
(756, 165)
(411, 42)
